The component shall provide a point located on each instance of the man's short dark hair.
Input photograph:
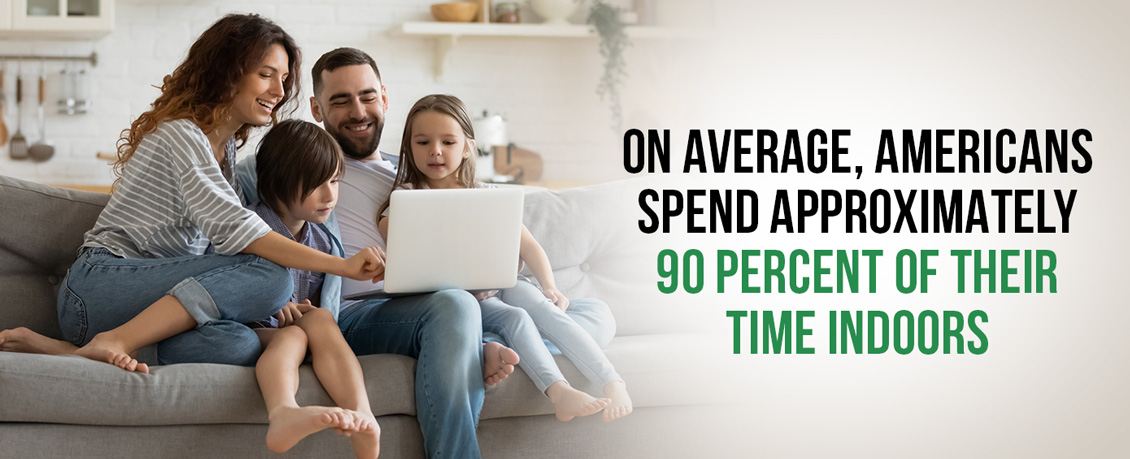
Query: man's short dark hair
(340, 57)
(295, 157)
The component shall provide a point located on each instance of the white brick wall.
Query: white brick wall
(545, 86)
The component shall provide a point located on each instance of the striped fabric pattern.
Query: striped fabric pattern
(174, 200)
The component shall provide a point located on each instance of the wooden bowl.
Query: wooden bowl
(455, 11)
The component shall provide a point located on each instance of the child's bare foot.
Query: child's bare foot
(367, 439)
(621, 403)
(24, 340)
(569, 403)
(498, 362)
(103, 348)
(289, 425)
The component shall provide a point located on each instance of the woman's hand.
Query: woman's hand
(293, 311)
(368, 264)
(556, 297)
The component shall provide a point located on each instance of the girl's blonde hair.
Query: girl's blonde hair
(408, 173)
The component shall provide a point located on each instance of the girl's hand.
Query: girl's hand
(556, 297)
(485, 294)
(292, 312)
(368, 264)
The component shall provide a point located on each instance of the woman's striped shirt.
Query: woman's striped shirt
(174, 200)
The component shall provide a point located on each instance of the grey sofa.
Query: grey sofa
(65, 406)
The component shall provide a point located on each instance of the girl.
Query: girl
(436, 152)
(298, 167)
(170, 257)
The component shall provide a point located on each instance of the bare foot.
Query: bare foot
(498, 362)
(289, 425)
(22, 339)
(621, 403)
(367, 439)
(569, 403)
(104, 349)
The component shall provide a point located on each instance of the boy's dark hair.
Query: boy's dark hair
(295, 158)
(340, 57)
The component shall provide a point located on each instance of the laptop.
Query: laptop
(439, 239)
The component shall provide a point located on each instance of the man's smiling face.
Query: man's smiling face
(351, 106)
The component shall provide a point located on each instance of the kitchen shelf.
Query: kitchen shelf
(447, 34)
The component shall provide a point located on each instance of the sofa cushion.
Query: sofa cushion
(659, 369)
(41, 230)
(75, 390)
(593, 242)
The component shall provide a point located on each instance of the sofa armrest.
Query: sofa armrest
(42, 228)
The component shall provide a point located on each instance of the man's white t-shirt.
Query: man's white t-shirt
(363, 189)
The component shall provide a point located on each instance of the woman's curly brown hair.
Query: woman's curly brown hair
(203, 87)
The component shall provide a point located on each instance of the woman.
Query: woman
(174, 258)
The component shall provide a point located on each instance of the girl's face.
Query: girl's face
(316, 207)
(438, 148)
(261, 90)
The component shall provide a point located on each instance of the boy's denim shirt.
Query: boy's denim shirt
(331, 286)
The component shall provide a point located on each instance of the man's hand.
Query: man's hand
(368, 264)
(292, 312)
(556, 297)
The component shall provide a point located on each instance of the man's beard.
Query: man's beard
(351, 149)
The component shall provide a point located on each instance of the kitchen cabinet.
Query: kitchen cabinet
(56, 19)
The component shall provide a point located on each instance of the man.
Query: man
(443, 330)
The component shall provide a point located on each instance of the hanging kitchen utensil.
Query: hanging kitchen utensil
(43, 149)
(18, 148)
(3, 95)
(82, 91)
(66, 104)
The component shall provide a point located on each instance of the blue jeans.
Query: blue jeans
(523, 316)
(103, 291)
(443, 332)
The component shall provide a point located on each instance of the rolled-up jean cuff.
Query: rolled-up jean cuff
(196, 300)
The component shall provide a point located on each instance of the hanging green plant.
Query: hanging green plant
(613, 39)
